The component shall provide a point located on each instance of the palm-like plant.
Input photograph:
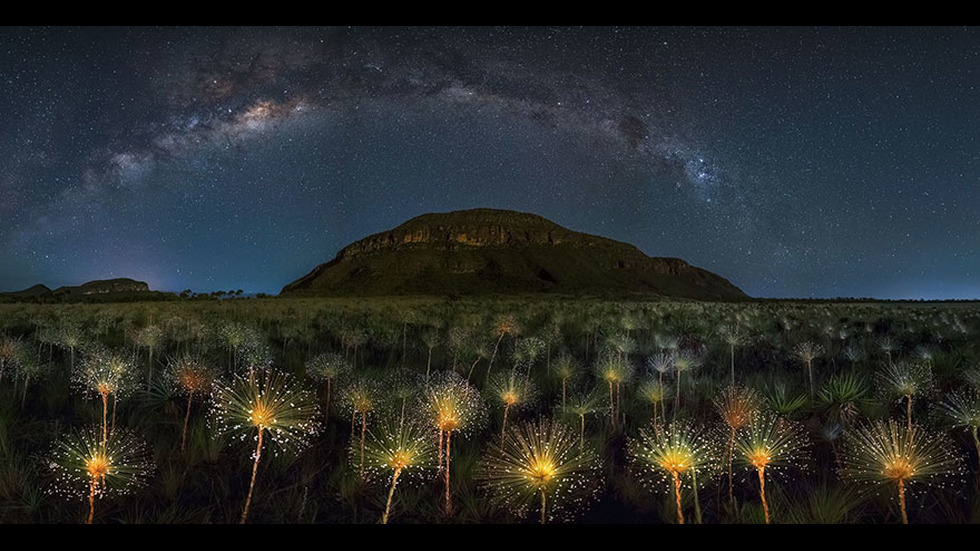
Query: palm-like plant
(480, 350)
(256, 354)
(190, 375)
(329, 367)
(149, 337)
(235, 336)
(779, 399)
(105, 373)
(734, 336)
(502, 327)
(71, 337)
(621, 344)
(652, 392)
(839, 397)
(684, 361)
(430, 338)
(662, 364)
(614, 372)
(88, 464)
(853, 352)
(526, 353)
(269, 405)
(460, 341)
(806, 352)
(904, 380)
(674, 451)
(361, 398)
(540, 460)
(402, 385)
(771, 442)
(398, 449)
(30, 368)
(885, 453)
(581, 405)
(352, 339)
(886, 345)
(963, 410)
(452, 405)
(47, 334)
(566, 368)
(511, 391)
(736, 406)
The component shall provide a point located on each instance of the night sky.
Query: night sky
(794, 162)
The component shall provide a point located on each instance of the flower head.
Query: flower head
(82, 465)
(270, 402)
(451, 404)
(883, 452)
(541, 464)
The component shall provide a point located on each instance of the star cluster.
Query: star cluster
(794, 162)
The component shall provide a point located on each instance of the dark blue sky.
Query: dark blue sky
(794, 162)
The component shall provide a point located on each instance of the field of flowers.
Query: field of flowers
(489, 411)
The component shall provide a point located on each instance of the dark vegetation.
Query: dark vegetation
(834, 376)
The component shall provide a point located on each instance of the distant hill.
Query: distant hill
(105, 287)
(487, 251)
(32, 291)
(108, 290)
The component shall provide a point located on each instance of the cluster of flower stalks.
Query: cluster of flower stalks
(688, 412)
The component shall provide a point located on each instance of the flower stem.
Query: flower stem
(976, 443)
(391, 492)
(449, 505)
(503, 427)
(251, 485)
(677, 497)
(105, 425)
(544, 500)
(363, 429)
(762, 492)
(91, 500)
(908, 412)
(697, 504)
(187, 416)
(901, 500)
(731, 457)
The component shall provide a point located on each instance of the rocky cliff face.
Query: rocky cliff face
(112, 286)
(451, 236)
(104, 287)
(98, 291)
(478, 228)
(494, 251)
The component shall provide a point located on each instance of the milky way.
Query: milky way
(795, 162)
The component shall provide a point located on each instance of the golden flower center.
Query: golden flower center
(400, 459)
(448, 421)
(510, 398)
(98, 466)
(899, 469)
(542, 470)
(760, 459)
(676, 462)
(261, 416)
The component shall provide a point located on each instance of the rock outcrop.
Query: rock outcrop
(486, 251)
